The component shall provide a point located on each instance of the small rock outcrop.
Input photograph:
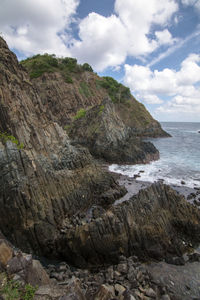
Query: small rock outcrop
(107, 136)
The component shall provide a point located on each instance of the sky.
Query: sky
(151, 46)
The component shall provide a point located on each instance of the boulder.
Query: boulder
(6, 253)
(105, 292)
(36, 274)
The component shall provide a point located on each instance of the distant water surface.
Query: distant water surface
(179, 157)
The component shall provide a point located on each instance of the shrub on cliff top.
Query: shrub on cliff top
(87, 67)
(39, 64)
(117, 91)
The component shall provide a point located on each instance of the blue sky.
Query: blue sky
(152, 46)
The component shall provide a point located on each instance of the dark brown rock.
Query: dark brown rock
(49, 178)
(108, 136)
(152, 224)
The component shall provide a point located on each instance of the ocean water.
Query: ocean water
(179, 157)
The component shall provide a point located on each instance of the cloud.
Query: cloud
(182, 87)
(37, 26)
(107, 41)
(178, 43)
(41, 26)
(164, 37)
(103, 41)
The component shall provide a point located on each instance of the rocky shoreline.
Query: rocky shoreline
(131, 278)
(57, 201)
(133, 186)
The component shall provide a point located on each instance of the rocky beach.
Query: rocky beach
(98, 235)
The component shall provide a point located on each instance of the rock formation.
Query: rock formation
(112, 130)
(57, 201)
(107, 135)
(155, 223)
(49, 178)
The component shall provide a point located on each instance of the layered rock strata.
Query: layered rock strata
(49, 178)
(155, 223)
(107, 136)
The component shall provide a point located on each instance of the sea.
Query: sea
(179, 157)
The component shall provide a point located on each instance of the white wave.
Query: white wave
(153, 172)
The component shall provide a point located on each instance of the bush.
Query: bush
(80, 114)
(70, 63)
(87, 67)
(14, 291)
(84, 89)
(117, 91)
(4, 137)
(101, 108)
(39, 64)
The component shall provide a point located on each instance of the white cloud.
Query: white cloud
(44, 26)
(34, 26)
(107, 41)
(178, 43)
(103, 41)
(164, 37)
(182, 87)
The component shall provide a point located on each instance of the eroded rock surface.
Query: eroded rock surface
(154, 223)
(108, 136)
(49, 178)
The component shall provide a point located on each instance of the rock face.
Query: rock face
(107, 136)
(49, 178)
(62, 100)
(111, 129)
(155, 223)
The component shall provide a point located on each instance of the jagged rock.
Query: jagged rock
(6, 253)
(36, 274)
(73, 291)
(153, 223)
(49, 178)
(105, 292)
(119, 289)
(107, 136)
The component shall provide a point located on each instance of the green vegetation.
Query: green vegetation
(80, 114)
(29, 292)
(67, 127)
(84, 89)
(14, 291)
(101, 108)
(4, 137)
(117, 91)
(87, 67)
(39, 64)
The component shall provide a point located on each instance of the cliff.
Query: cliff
(112, 129)
(107, 136)
(57, 201)
(43, 176)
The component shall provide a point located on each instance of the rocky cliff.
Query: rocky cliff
(46, 178)
(107, 136)
(56, 199)
(65, 87)
(112, 129)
